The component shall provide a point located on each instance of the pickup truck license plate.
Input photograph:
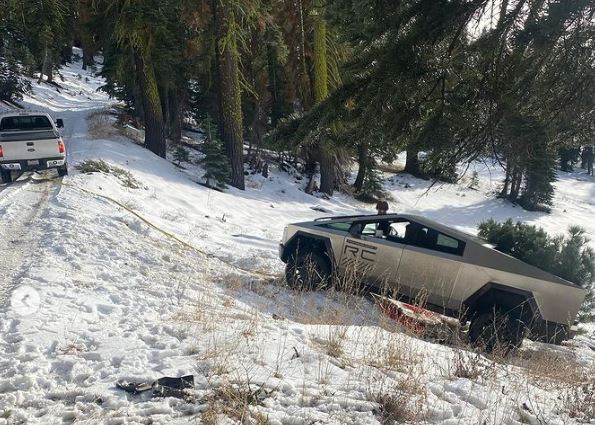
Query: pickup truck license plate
(33, 162)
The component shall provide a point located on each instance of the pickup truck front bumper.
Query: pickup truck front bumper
(33, 165)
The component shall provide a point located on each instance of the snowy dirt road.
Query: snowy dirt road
(23, 211)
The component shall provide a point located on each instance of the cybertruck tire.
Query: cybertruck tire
(495, 330)
(308, 271)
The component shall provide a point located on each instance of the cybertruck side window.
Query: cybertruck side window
(392, 230)
(426, 237)
(342, 226)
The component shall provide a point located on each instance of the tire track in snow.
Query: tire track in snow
(21, 228)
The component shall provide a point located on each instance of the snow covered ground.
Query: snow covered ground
(101, 281)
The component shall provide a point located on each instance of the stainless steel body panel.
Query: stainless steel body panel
(433, 273)
(375, 260)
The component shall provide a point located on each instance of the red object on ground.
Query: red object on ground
(413, 317)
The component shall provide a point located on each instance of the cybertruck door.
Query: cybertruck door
(370, 258)
(430, 266)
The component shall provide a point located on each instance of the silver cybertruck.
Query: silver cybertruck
(455, 273)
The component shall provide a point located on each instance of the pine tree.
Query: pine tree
(142, 47)
(12, 83)
(215, 162)
(181, 154)
(538, 192)
(372, 188)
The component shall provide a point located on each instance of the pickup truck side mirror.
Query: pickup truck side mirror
(60, 123)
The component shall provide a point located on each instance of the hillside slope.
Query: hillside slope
(141, 273)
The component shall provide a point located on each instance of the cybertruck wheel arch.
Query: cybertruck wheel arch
(305, 242)
(509, 298)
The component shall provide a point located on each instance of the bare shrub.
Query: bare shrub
(470, 365)
(399, 403)
(100, 125)
(100, 166)
(579, 401)
(336, 340)
(547, 369)
(235, 400)
(394, 355)
(252, 326)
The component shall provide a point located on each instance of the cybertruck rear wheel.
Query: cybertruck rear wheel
(495, 330)
(308, 271)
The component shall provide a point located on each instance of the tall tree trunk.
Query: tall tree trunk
(517, 180)
(325, 156)
(304, 79)
(229, 89)
(589, 154)
(50, 70)
(362, 160)
(178, 110)
(504, 192)
(44, 65)
(165, 107)
(274, 84)
(84, 10)
(327, 171)
(320, 53)
(88, 59)
(412, 162)
(153, 114)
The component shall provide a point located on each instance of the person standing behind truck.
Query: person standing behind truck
(384, 226)
(382, 207)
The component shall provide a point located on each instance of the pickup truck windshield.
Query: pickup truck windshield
(25, 123)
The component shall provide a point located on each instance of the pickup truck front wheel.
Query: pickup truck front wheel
(495, 330)
(6, 176)
(308, 271)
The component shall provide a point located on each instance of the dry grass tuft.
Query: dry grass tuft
(400, 403)
(234, 401)
(547, 368)
(392, 353)
(101, 125)
(471, 366)
(579, 401)
(100, 166)
(336, 340)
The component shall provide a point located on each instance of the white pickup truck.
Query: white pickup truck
(30, 141)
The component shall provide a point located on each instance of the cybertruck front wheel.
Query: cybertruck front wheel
(308, 271)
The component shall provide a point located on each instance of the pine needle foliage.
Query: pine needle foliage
(181, 154)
